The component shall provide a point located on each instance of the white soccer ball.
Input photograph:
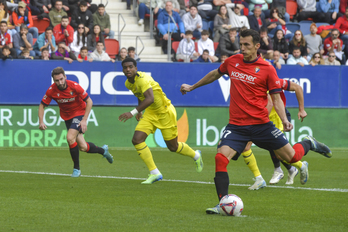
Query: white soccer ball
(231, 205)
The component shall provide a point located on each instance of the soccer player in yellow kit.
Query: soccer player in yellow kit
(159, 113)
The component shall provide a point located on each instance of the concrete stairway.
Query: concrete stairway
(151, 52)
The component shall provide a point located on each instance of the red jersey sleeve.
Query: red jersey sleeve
(273, 81)
(81, 92)
(285, 84)
(46, 100)
(223, 67)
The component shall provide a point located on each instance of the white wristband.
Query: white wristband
(134, 112)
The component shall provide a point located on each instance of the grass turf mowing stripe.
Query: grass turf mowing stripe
(181, 181)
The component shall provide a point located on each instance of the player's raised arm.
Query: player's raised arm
(83, 123)
(42, 125)
(280, 109)
(299, 95)
(207, 79)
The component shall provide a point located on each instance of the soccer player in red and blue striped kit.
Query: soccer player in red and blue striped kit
(251, 77)
(75, 106)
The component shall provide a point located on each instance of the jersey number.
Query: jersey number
(226, 133)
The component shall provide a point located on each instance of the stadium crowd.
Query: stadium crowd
(77, 31)
(196, 27)
(222, 20)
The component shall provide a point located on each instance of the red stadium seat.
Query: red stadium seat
(34, 40)
(112, 47)
(291, 8)
(175, 45)
(41, 24)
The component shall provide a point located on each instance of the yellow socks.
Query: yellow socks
(184, 149)
(250, 161)
(146, 155)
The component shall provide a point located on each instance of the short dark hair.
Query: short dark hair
(23, 26)
(100, 42)
(131, 49)
(188, 32)
(101, 5)
(335, 29)
(194, 7)
(206, 50)
(223, 54)
(64, 17)
(45, 49)
(3, 22)
(83, 3)
(57, 71)
(250, 32)
(128, 59)
(232, 29)
(263, 29)
(49, 28)
(83, 48)
(296, 48)
(205, 32)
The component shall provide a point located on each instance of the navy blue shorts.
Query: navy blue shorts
(74, 123)
(265, 136)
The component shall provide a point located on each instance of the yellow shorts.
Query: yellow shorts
(166, 122)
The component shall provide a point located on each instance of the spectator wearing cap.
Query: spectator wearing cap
(23, 16)
(314, 42)
(23, 40)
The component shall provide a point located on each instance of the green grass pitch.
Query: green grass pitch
(109, 197)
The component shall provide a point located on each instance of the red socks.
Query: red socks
(299, 153)
(221, 163)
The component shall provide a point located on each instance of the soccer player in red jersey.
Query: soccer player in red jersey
(251, 77)
(75, 106)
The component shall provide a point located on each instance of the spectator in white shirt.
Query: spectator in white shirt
(80, 39)
(186, 50)
(207, 44)
(297, 58)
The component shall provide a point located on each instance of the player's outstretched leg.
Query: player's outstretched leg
(250, 161)
(104, 151)
(146, 155)
(304, 174)
(221, 180)
(318, 147)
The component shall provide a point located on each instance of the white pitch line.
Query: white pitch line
(169, 180)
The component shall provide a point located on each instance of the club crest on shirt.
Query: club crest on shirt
(58, 94)
(237, 64)
(71, 93)
(257, 69)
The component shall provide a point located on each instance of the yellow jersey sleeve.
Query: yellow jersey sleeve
(142, 83)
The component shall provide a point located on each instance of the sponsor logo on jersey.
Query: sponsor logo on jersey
(65, 100)
(257, 69)
(243, 77)
(237, 64)
(45, 97)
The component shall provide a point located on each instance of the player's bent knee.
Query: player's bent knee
(136, 141)
(70, 140)
(172, 148)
